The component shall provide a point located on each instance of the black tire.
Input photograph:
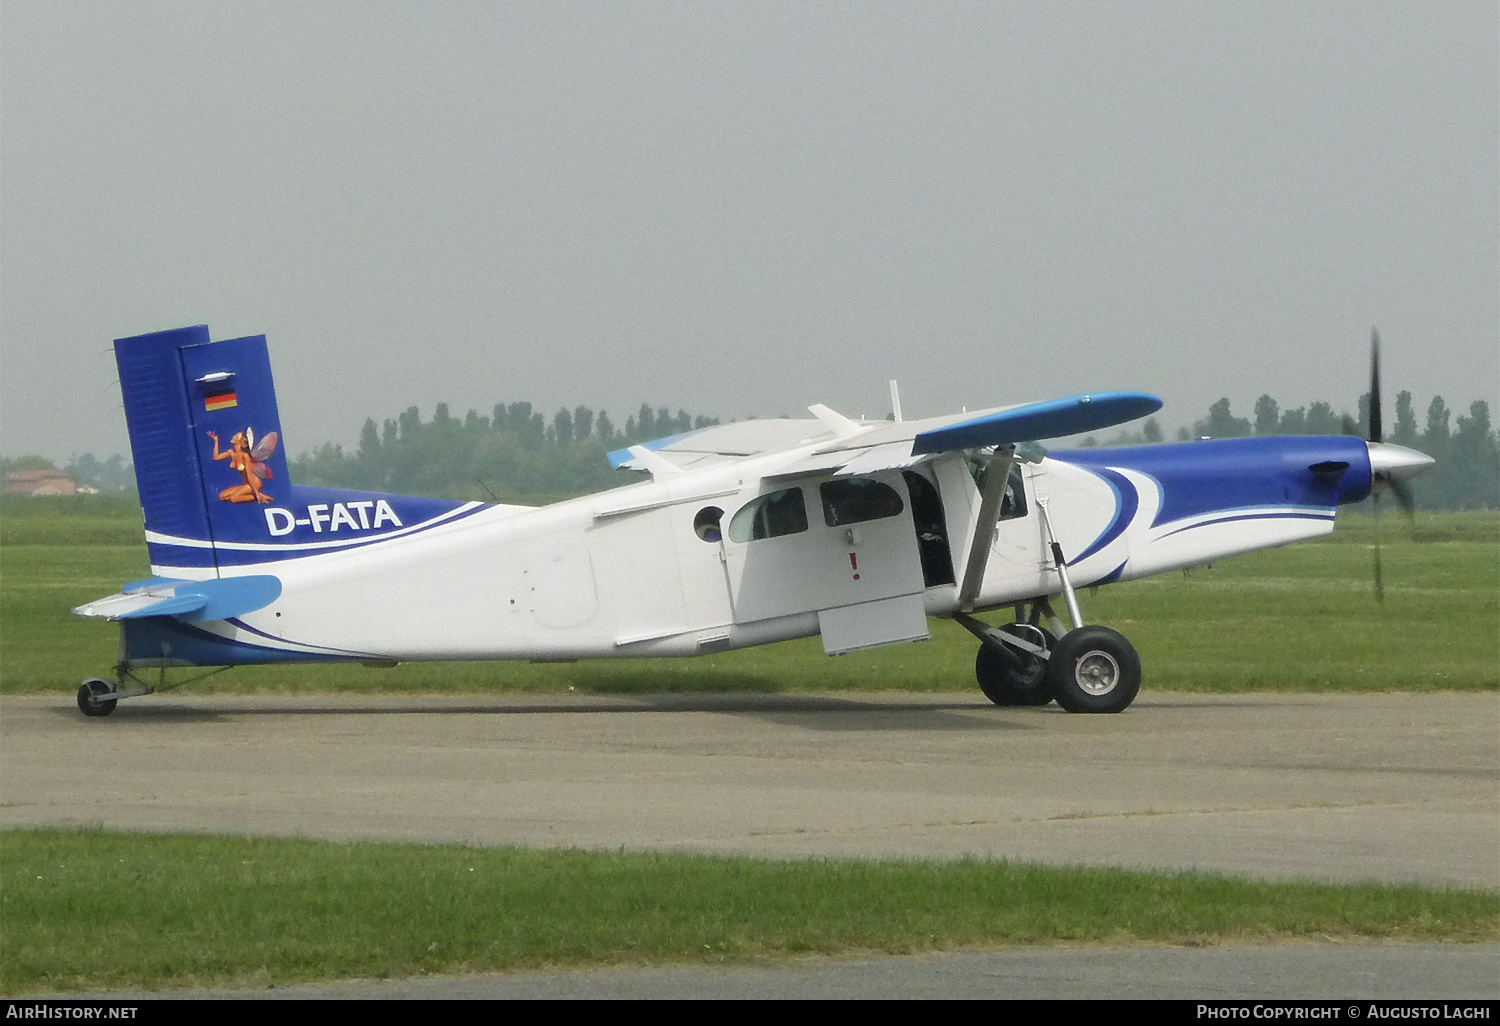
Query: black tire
(92, 700)
(1014, 683)
(1094, 670)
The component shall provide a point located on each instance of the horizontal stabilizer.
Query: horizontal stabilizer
(1051, 419)
(194, 601)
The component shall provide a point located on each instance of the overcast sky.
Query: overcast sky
(744, 208)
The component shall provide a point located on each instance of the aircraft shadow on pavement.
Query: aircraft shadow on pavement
(808, 711)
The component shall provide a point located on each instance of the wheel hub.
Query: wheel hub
(1097, 672)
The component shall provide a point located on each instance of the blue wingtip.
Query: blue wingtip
(1053, 418)
(619, 457)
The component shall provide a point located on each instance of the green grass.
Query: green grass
(88, 910)
(1303, 618)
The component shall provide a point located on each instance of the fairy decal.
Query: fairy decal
(247, 457)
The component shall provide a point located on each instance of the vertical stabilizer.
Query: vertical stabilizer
(205, 434)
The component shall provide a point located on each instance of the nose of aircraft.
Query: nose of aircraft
(1396, 463)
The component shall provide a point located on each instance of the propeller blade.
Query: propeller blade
(1379, 577)
(1376, 434)
(1402, 491)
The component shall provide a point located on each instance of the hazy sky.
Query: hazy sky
(744, 208)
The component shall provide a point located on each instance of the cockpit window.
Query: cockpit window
(1013, 504)
(770, 516)
(857, 499)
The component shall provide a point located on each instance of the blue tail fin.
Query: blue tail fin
(211, 464)
(182, 392)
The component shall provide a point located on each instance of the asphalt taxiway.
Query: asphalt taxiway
(1339, 788)
(1390, 787)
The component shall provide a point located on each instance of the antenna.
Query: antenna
(895, 400)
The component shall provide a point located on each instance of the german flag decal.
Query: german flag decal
(218, 391)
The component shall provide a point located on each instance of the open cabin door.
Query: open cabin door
(843, 547)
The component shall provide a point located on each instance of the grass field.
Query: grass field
(1302, 618)
(88, 910)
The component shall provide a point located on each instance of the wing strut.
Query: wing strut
(996, 475)
(1062, 565)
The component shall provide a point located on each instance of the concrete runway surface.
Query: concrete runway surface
(1321, 787)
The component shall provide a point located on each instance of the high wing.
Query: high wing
(844, 446)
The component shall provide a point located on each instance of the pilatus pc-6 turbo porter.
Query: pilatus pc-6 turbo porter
(745, 534)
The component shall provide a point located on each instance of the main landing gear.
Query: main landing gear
(1090, 669)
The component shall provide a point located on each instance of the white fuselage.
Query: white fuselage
(629, 572)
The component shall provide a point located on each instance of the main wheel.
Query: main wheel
(1094, 670)
(1015, 683)
(94, 700)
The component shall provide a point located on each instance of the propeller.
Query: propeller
(1390, 465)
(1376, 436)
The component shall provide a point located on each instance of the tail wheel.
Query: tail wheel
(1022, 682)
(93, 698)
(1094, 670)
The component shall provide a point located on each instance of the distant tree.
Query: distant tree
(1436, 435)
(606, 427)
(116, 474)
(84, 470)
(1293, 422)
(1475, 459)
(645, 423)
(369, 442)
(1222, 423)
(1321, 420)
(1267, 416)
(562, 427)
(369, 455)
(583, 422)
(1151, 431)
(1404, 430)
(410, 422)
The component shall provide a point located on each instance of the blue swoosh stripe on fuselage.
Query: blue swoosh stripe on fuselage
(1269, 513)
(188, 552)
(1127, 502)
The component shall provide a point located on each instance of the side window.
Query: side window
(856, 499)
(706, 523)
(770, 516)
(1013, 503)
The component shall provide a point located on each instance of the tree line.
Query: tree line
(518, 454)
(515, 454)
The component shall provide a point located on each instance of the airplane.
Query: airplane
(746, 533)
